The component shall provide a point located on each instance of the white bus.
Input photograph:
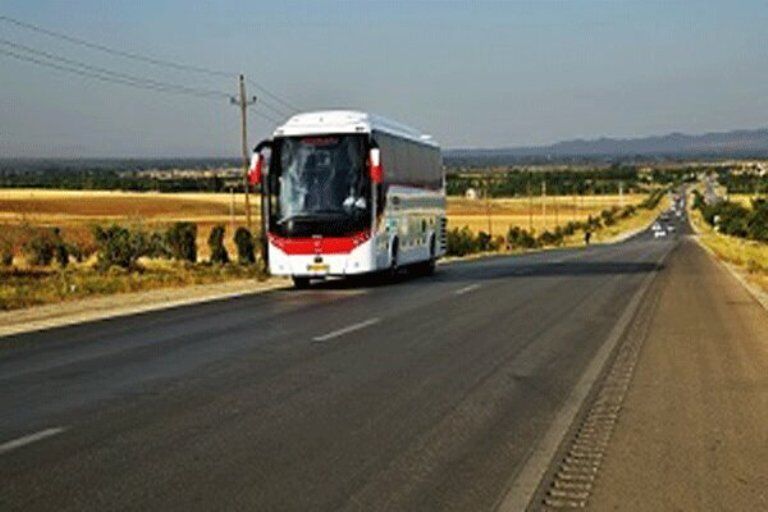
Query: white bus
(348, 193)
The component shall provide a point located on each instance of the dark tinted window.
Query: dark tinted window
(409, 163)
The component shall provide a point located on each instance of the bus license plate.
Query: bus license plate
(318, 267)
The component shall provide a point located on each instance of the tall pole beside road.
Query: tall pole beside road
(544, 202)
(530, 206)
(242, 102)
(488, 204)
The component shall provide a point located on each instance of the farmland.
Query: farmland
(76, 211)
(23, 212)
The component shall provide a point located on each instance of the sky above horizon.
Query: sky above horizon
(472, 74)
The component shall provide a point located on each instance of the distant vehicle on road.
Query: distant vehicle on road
(661, 233)
(348, 193)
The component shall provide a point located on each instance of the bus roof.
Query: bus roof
(347, 121)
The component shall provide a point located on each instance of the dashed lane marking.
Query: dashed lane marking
(467, 289)
(347, 330)
(29, 439)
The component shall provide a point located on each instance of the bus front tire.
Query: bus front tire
(300, 283)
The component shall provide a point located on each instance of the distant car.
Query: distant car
(671, 229)
(659, 234)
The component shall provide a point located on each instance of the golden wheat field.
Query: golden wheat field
(76, 211)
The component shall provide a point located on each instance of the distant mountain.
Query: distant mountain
(737, 143)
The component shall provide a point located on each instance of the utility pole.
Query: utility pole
(544, 202)
(244, 103)
(530, 206)
(488, 203)
(621, 194)
(232, 209)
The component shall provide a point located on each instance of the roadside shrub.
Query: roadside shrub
(551, 237)
(40, 249)
(608, 216)
(181, 241)
(519, 238)
(6, 258)
(216, 245)
(484, 242)
(593, 223)
(6, 252)
(60, 249)
(119, 246)
(757, 222)
(460, 242)
(571, 227)
(156, 246)
(653, 199)
(245, 246)
(628, 212)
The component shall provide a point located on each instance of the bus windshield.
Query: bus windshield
(318, 185)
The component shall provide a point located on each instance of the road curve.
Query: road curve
(427, 394)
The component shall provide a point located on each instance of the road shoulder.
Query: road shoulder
(691, 433)
(86, 310)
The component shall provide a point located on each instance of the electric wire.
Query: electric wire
(148, 60)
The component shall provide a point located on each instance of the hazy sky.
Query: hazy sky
(473, 74)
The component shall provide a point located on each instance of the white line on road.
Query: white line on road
(31, 438)
(467, 289)
(348, 329)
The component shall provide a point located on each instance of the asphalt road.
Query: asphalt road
(427, 394)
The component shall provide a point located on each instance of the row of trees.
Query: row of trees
(735, 219)
(113, 180)
(743, 183)
(463, 241)
(122, 246)
(521, 183)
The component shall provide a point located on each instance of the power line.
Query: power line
(122, 76)
(81, 72)
(266, 92)
(144, 58)
(119, 53)
(136, 83)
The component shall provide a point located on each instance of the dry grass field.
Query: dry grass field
(76, 211)
(537, 214)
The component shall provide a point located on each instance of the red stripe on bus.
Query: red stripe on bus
(319, 245)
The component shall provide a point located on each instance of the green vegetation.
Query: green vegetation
(513, 183)
(246, 247)
(119, 259)
(216, 245)
(752, 182)
(181, 241)
(462, 241)
(735, 219)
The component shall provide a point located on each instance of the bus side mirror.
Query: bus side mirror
(376, 170)
(254, 172)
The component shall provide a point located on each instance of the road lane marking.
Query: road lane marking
(467, 289)
(31, 438)
(346, 330)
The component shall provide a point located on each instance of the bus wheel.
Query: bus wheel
(393, 267)
(429, 266)
(300, 283)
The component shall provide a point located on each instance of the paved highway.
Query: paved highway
(427, 394)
